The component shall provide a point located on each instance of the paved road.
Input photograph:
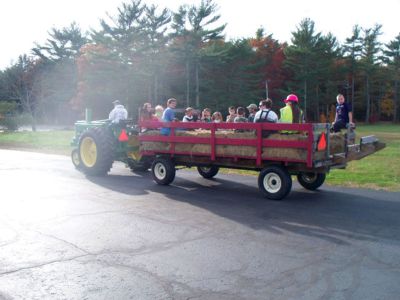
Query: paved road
(65, 236)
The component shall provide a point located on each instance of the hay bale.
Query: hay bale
(198, 133)
(231, 134)
(154, 146)
(151, 132)
(290, 153)
(236, 150)
(288, 137)
(337, 143)
(179, 147)
(201, 148)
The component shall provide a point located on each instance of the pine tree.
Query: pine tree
(63, 44)
(309, 58)
(191, 33)
(392, 58)
(155, 51)
(371, 49)
(352, 51)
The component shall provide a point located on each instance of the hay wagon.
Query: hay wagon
(276, 151)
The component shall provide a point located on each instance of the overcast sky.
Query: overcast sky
(24, 22)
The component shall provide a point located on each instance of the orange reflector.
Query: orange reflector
(322, 142)
(123, 137)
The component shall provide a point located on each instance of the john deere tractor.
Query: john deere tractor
(97, 144)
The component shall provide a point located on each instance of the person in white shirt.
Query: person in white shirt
(188, 117)
(266, 114)
(118, 113)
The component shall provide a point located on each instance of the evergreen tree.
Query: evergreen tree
(371, 49)
(269, 54)
(58, 70)
(352, 51)
(231, 76)
(308, 59)
(63, 44)
(392, 58)
(24, 84)
(155, 51)
(191, 33)
(115, 62)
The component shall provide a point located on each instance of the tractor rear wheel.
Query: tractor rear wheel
(96, 151)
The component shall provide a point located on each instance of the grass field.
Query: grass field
(378, 171)
(57, 142)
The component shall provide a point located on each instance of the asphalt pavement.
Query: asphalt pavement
(67, 236)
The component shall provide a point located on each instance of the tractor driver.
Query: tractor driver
(118, 113)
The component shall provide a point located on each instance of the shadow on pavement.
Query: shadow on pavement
(328, 214)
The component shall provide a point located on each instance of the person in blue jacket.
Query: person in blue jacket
(169, 115)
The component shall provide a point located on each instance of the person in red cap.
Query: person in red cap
(291, 113)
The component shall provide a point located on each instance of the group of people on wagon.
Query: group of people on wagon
(290, 113)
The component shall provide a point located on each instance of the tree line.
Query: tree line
(145, 53)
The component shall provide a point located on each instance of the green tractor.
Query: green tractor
(97, 144)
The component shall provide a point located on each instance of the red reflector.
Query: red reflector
(123, 137)
(322, 142)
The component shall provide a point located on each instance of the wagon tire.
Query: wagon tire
(163, 171)
(311, 181)
(139, 166)
(208, 171)
(275, 182)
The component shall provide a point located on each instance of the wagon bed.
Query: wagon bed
(209, 146)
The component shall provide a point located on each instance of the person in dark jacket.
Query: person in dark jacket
(344, 114)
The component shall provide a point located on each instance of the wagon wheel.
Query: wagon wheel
(96, 151)
(163, 171)
(139, 166)
(275, 182)
(311, 181)
(208, 172)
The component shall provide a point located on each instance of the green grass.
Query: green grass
(43, 141)
(380, 170)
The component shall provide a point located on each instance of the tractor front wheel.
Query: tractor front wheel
(76, 161)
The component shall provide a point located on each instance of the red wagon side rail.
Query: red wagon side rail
(259, 142)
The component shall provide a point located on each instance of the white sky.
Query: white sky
(24, 22)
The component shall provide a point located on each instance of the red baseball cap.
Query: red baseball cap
(291, 97)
